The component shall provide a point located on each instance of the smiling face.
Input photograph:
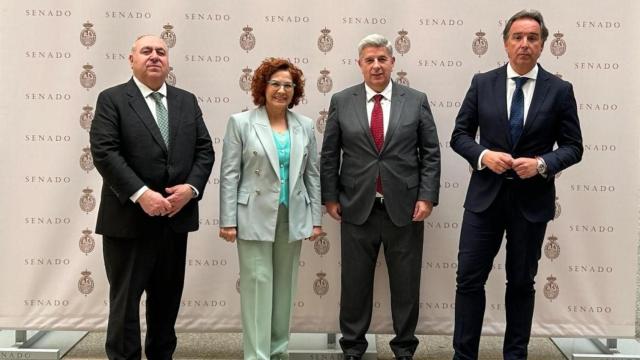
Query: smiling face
(524, 45)
(376, 65)
(149, 61)
(279, 90)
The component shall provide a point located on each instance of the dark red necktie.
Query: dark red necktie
(377, 131)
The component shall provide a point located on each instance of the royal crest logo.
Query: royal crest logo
(87, 77)
(552, 248)
(325, 83)
(321, 121)
(558, 45)
(171, 77)
(322, 245)
(401, 79)
(558, 210)
(168, 36)
(86, 117)
(88, 35)
(86, 284)
(245, 79)
(551, 289)
(325, 41)
(321, 285)
(247, 39)
(402, 43)
(86, 243)
(86, 160)
(87, 201)
(480, 45)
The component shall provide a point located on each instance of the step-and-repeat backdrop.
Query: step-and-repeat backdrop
(56, 56)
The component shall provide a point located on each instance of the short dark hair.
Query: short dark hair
(263, 74)
(526, 14)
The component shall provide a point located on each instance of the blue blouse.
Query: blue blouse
(283, 145)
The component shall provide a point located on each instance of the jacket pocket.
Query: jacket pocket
(243, 198)
(412, 181)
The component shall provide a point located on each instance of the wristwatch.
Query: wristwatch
(194, 194)
(542, 166)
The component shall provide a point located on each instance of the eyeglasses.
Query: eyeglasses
(277, 85)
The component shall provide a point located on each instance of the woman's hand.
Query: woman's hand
(228, 233)
(317, 232)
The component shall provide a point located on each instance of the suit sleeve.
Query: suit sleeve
(463, 138)
(331, 154)
(230, 173)
(429, 151)
(568, 137)
(204, 156)
(104, 138)
(312, 177)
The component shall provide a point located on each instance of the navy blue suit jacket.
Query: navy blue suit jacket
(552, 120)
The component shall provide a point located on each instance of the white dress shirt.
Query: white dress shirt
(385, 102)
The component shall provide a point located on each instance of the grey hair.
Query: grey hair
(526, 14)
(133, 46)
(374, 40)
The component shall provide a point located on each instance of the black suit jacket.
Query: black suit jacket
(408, 164)
(129, 152)
(552, 119)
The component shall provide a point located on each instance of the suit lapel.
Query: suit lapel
(397, 102)
(296, 134)
(361, 116)
(500, 98)
(265, 135)
(539, 94)
(140, 107)
(174, 103)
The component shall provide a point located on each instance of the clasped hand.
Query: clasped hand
(154, 204)
(499, 162)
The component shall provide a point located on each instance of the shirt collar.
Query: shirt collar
(532, 74)
(386, 92)
(144, 89)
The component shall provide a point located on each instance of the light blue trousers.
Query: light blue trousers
(268, 281)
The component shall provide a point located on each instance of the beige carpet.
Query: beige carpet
(229, 346)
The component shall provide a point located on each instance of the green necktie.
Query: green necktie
(162, 117)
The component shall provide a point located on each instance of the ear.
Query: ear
(131, 60)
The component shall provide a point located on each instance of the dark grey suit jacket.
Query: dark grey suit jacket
(129, 152)
(408, 164)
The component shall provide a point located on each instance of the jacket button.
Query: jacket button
(257, 171)
(258, 192)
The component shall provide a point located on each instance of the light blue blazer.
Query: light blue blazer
(250, 179)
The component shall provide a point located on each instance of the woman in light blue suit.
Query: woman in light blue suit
(269, 201)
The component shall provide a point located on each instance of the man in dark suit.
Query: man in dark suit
(153, 150)
(380, 176)
(521, 111)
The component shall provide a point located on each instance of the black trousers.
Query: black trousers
(403, 255)
(480, 239)
(153, 263)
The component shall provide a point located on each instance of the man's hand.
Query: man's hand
(154, 204)
(422, 210)
(334, 210)
(496, 161)
(228, 233)
(179, 197)
(525, 167)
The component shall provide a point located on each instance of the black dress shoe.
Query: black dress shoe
(404, 357)
(351, 357)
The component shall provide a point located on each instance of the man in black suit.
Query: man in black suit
(380, 176)
(153, 150)
(522, 111)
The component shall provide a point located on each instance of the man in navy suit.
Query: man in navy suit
(154, 153)
(521, 111)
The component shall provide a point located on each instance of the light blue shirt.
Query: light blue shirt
(283, 145)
